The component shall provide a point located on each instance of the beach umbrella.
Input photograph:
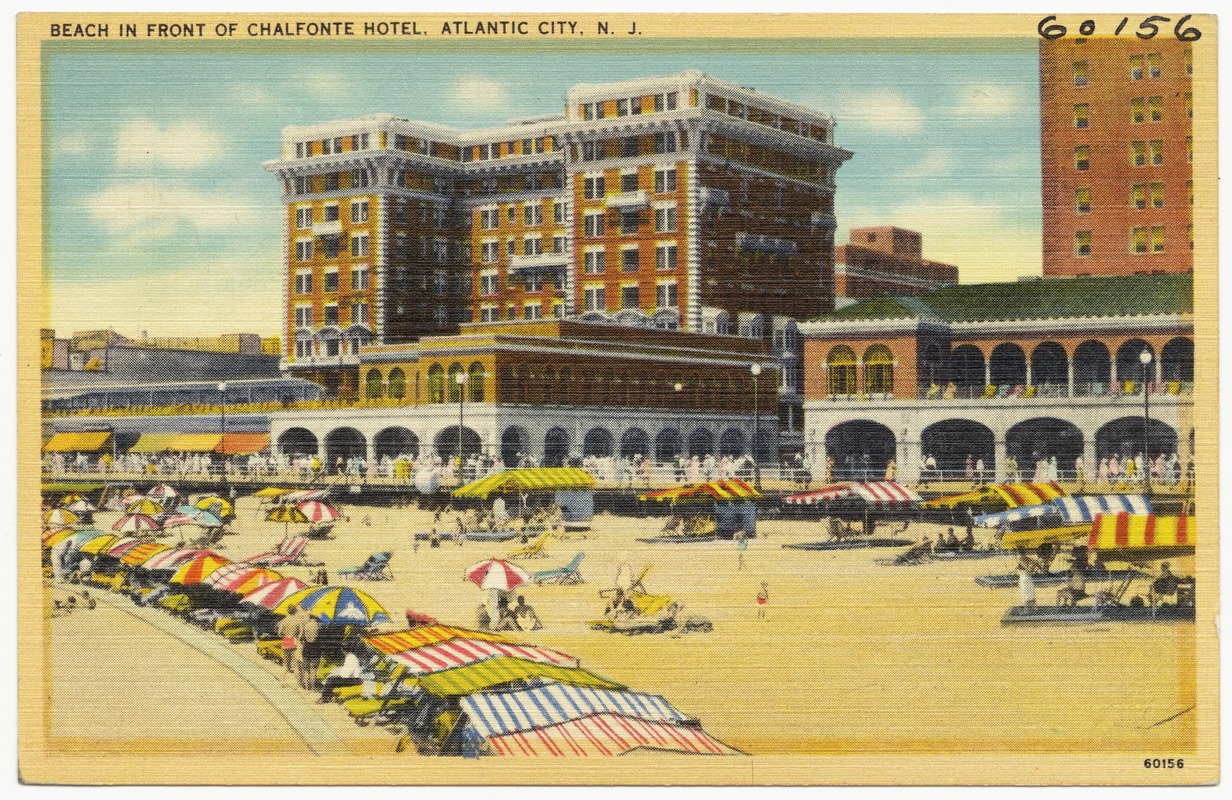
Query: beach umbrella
(56, 535)
(316, 511)
(336, 604)
(99, 544)
(216, 505)
(128, 499)
(68, 499)
(497, 574)
(135, 523)
(270, 492)
(162, 491)
(175, 558)
(271, 594)
(286, 514)
(242, 579)
(137, 556)
(82, 506)
(144, 506)
(81, 538)
(122, 546)
(305, 494)
(59, 517)
(198, 569)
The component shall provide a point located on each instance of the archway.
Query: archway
(395, 441)
(878, 370)
(634, 442)
(731, 443)
(860, 449)
(598, 442)
(447, 443)
(374, 385)
(1042, 439)
(667, 445)
(1007, 365)
(967, 368)
(1092, 368)
(1124, 437)
(344, 443)
(1177, 360)
(1050, 369)
(1129, 363)
(950, 441)
(555, 447)
(397, 383)
(841, 371)
(298, 442)
(515, 444)
(701, 442)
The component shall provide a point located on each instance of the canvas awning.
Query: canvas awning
(1017, 515)
(401, 641)
(1029, 540)
(609, 735)
(81, 442)
(874, 493)
(729, 489)
(460, 652)
(496, 671)
(243, 444)
(501, 713)
(1144, 534)
(528, 480)
(153, 443)
(1087, 508)
(195, 442)
(1010, 495)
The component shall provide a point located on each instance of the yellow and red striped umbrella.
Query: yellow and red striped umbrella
(145, 506)
(142, 553)
(1144, 535)
(53, 537)
(729, 489)
(99, 544)
(197, 570)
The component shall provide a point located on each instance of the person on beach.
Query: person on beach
(742, 544)
(310, 631)
(289, 629)
(1026, 585)
(525, 615)
(763, 600)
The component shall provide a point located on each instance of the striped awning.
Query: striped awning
(497, 671)
(1087, 508)
(1142, 534)
(530, 479)
(609, 735)
(729, 489)
(243, 444)
(1017, 515)
(196, 443)
(874, 493)
(401, 641)
(827, 494)
(502, 713)
(1031, 539)
(81, 442)
(460, 652)
(1010, 495)
(153, 443)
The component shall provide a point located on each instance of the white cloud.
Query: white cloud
(885, 111)
(480, 93)
(146, 209)
(249, 94)
(937, 162)
(322, 82)
(991, 101)
(186, 145)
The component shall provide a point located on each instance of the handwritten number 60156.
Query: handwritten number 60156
(1148, 28)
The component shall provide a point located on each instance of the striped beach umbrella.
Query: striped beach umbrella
(137, 556)
(497, 574)
(216, 505)
(80, 539)
(270, 492)
(175, 558)
(286, 514)
(198, 569)
(316, 511)
(163, 492)
(271, 595)
(1143, 535)
(122, 546)
(337, 604)
(242, 579)
(727, 489)
(144, 506)
(81, 506)
(99, 544)
(135, 523)
(56, 535)
(59, 517)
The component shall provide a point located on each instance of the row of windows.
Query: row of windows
(331, 146)
(1141, 110)
(1143, 239)
(305, 318)
(627, 147)
(842, 368)
(304, 214)
(666, 296)
(1140, 154)
(761, 116)
(517, 147)
(646, 104)
(531, 282)
(359, 280)
(532, 215)
(329, 182)
(1141, 196)
(491, 313)
(1140, 67)
(595, 187)
(629, 222)
(331, 245)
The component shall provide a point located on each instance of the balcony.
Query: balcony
(332, 228)
(638, 199)
(555, 261)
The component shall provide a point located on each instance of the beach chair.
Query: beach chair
(1016, 391)
(990, 391)
(535, 550)
(1128, 387)
(1003, 390)
(567, 575)
(951, 391)
(1097, 388)
(376, 568)
(841, 529)
(289, 551)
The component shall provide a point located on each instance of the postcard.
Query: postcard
(537, 399)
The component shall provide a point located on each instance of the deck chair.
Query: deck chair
(840, 529)
(1016, 391)
(536, 550)
(376, 568)
(1128, 387)
(567, 575)
(289, 551)
(1174, 387)
(951, 391)
(1003, 390)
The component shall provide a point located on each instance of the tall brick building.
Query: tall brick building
(1116, 121)
(886, 260)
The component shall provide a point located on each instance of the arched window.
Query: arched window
(841, 371)
(878, 370)
(436, 384)
(372, 385)
(453, 384)
(397, 383)
(476, 380)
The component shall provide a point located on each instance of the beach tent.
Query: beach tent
(196, 443)
(1143, 536)
(1087, 508)
(877, 494)
(1000, 496)
(731, 500)
(502, 670)
(502, 713)
(461, 652)
(574, 489)
(80, 442)
(1011, 516)
(608, 735)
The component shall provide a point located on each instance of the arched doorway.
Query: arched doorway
(967, 369)
(1042, 439)
(1177, 360)
(1092, 368)
(394, 442)
(634, 442)
(950, 441)
(447, 443)
(1050, 369)
(555, 447)
(1007, 365)
(515, 445)
(860, 449)
(667, 445)
(598, 442)
(1124, 437)
(1129, 364)
(344, 443)
(701, 443)
(298, 442)
(731, 443)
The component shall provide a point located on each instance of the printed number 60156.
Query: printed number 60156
(1164, 763)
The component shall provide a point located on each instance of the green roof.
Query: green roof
(1047, 298)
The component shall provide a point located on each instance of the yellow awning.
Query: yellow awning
(83, 442)
(195, 442)
(1144, 534)
(153, 443)
(528, 480)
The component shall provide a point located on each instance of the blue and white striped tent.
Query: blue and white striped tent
(1075, 510)
(1016, 515)
(500, 713)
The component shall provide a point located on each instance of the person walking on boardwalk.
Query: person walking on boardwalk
(763, 600)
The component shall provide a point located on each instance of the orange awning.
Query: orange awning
(243, 444)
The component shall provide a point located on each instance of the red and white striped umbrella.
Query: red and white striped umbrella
(162, 492)
(179, 521)
(123, 545)
(497, 574)
(316, 511)
(460, 652)
(305, 494)
(174, 559)
(128, 499)
(271, 594)
(135, 523)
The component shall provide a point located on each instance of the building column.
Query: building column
(908, 457)
(1028, 363)
(988, 371)
(999, 452)
(1112, 376)
(1159, 369)
(1088, 457)
(1069, 380)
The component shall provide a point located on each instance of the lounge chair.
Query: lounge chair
(567, 575)
(289, 551)
(1003, 390)
(1097, 388)
(1016, 391)
(840, 529)
(1128, 387)
(1174, 387)
(535, 550)
(376, 568)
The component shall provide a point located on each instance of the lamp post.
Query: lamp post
(460, 379)
(1145, 358)
(222, 390)
(756, 370)
(679, 387)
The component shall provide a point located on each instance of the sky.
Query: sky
(163, 219)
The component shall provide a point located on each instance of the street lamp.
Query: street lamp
(460, 379)
(679, 387)
(756, 370)
(222, 390)
(1145, 358)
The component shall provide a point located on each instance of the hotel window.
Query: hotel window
(558, 212)
(1152, 64)
(665, 142)
(596, 298)
(596, 262)
(440, 250)
(1189, 104)
(1156, 107)
(666, 295)
(331, 212)
(442, 317)
(331, 280)
(1082, 200)
(594, 188)
(841, 371)
(303, 282)
(485, 152)
(402, 246)
(331, 316)
(1157, 239)
(1189, 62)
(331, 181)
(1135, 68)
(532, 246)
(303, 250)
(629, 297)
(440, 281)
(559, 243)
(533, 311)
(635, 105)
(359, 245)
(1082, 243)
(1137, 154)
(303, 316)
(359, 211)
(1157, 195)
(301, 150)
(622, 108)
(400, 210)
(489, 252)
(665, 219)
(511, 247)
(532, 282)
(594, 225)
(1137, 197)
(628, 182)
(629, 260)
(359, 141)
(600, 109)
(303, 185)
(532, 214)
(628, 147)
(665, 181)
(1080, 73)
(332, 245)
(1137, 240)
(440, 216)
(1137, 110)
(1157, 152)
(489, 219)
(665, 256)
(511, 213)
(327, 147)
(878, 370)
(1082, 116)
(359, 178)
(590, 152)
(359, 278)
(303, 217)
(558, 310)
(487, 313)
(489, 282)
(629, 222)
(359, 313)
(528, 147)
(1082, 158)
(588, 111)
(303, 348)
